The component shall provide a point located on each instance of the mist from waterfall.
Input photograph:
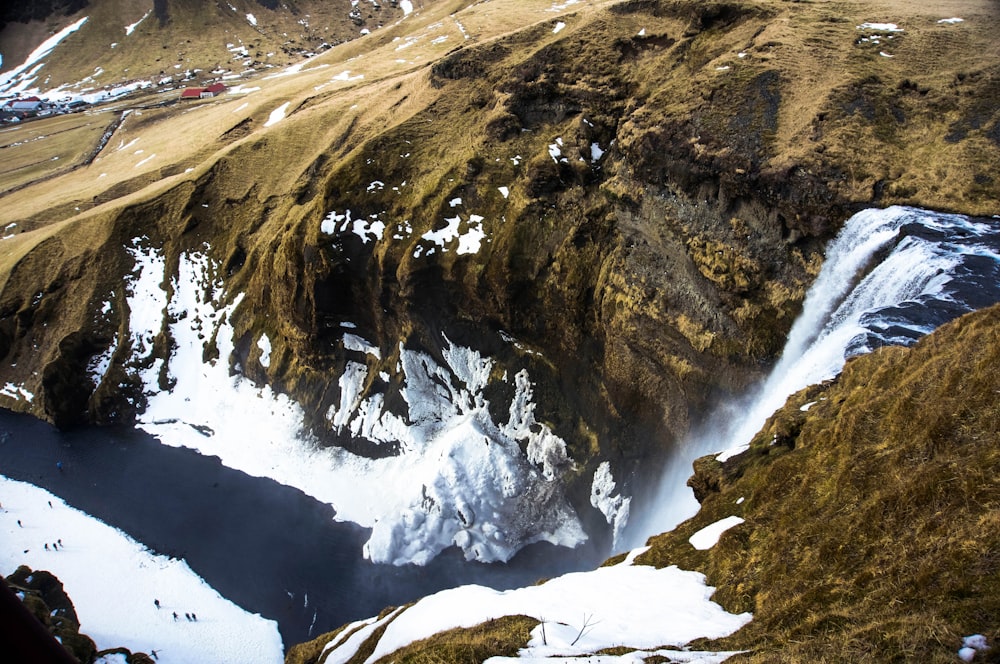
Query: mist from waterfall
(890, 277)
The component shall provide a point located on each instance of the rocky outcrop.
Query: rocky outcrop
(46, 603)
(43, 596)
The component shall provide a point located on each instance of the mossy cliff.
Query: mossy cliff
(672, 172)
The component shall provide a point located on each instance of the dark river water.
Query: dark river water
(265, 546)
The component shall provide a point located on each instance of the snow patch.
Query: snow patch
(555, 150)
(129, 29)
(880, 27)
(469, 240)
(17, 392)
(708, 536)
(264, 344)
(356, 343)
(580, 613)
(113, 580)
(971, 645)
(277, 115)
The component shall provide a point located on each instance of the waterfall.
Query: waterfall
(890, 277)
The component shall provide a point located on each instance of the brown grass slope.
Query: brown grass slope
(738, 136)
(179, 36)
(873, 518)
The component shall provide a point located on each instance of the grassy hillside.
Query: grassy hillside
(871, 517)
(656, 181)
(124, 40)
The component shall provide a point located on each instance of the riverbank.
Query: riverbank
(267, 547)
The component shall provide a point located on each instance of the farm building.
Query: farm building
(26, 105)
(204, 93)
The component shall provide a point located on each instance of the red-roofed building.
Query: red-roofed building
(25, 104)
(24, 108)
(204, 93)
(214, 90)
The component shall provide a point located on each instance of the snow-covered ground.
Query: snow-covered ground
(113, 582)
(457, 477)
(709, 536)
(625, 605)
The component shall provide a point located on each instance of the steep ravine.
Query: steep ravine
(666, 207)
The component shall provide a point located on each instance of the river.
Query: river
(269, 548)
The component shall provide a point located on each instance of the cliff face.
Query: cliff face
(861, 524)
(627, 199)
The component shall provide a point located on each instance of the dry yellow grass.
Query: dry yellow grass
(155, 148)
(870, 523)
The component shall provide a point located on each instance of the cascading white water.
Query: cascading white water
(889, 277)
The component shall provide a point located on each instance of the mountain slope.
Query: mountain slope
(624, 200)
(180, 39)
(759, 185)
(871, 517)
